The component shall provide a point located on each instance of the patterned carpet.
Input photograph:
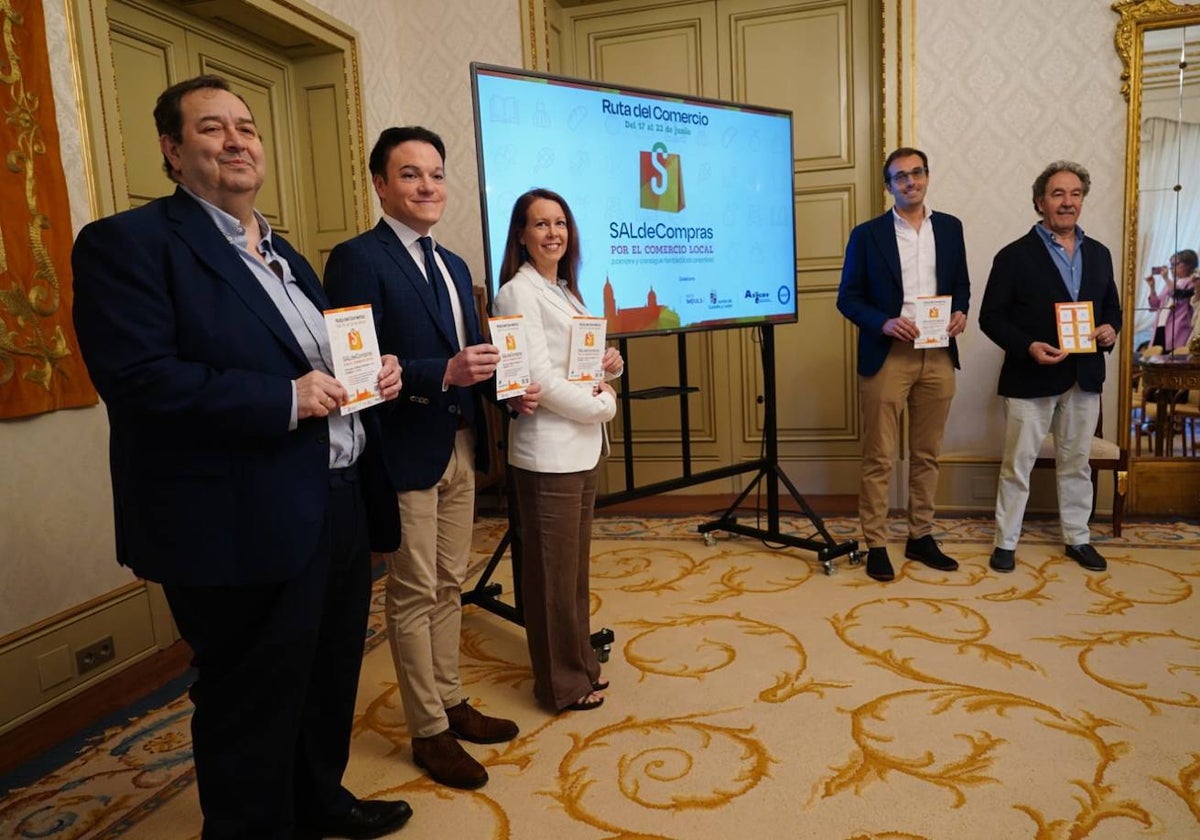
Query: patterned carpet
(754, 696)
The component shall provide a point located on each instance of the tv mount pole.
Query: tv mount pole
(822, 542)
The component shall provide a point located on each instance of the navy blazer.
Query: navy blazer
(417, 431)
(195, 366)
(1018, 309)
(872, 288)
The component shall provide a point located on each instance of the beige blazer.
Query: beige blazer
(566, 433)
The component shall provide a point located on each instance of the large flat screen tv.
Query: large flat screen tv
(684, 205)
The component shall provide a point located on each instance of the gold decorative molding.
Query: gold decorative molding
(1137, 15)
(898, 42)
(535, 15)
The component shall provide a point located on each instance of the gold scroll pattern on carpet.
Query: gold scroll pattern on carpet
(837, 702)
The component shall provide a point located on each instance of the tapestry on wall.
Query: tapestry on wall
(40, 366)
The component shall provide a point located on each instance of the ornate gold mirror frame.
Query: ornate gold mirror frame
(1158, 485)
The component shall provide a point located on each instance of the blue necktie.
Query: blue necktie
(438, 284)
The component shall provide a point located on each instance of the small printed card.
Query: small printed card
(586, 364)
(933, 322)
(512, 374)
(1076, 323)
(356, 360)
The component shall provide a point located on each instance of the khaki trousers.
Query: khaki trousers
(923, 382)
(424, 590)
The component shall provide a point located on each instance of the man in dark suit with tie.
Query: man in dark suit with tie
(237, 484)
(892, 261)
(433, 439)
(1046, 389)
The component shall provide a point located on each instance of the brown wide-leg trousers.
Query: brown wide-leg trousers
(555, 511)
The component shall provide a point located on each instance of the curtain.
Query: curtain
(1168, 219)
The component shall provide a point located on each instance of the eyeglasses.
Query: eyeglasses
(918, 174)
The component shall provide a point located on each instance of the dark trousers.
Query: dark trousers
(555, 510)
(278, 669)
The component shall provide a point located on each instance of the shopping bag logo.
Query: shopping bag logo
(662, 180)
(355, 339)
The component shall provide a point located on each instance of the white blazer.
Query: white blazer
(566, 433)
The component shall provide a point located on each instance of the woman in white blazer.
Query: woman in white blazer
(554, 454)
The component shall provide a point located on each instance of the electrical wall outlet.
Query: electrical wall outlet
(94, 655)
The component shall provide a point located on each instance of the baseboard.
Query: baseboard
(76, 714)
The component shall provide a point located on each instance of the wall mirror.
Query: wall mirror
(1159, 45)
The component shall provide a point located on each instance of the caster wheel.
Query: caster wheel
(709, 539)
(830, 569)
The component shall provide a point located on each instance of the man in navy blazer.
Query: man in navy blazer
(237, 484)
(432, 439)
(893, 260)
(1046, 389)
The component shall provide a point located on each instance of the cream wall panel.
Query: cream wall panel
(825, 474)
(824, 218)
(666, 48)
(816, 400)
(147, 31)
(264, 84)
(658, 420)
(325, 174)
(328, 187)
(146, 52)
(669, 59)
(799, 60)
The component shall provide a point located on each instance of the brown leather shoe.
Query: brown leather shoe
(447, 763)
(469, 724)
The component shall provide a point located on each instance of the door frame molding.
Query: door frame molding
(96, 90)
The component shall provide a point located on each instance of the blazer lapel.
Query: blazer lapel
(197, 230)
(548, 292)
(883, 232)
(941, 255)
(1060, 291)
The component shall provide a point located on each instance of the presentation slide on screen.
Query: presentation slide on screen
(684, 208)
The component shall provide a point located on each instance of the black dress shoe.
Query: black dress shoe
(368, 818)
(1003, 559)
(1087, 557)
(879, 565)
(925, 550)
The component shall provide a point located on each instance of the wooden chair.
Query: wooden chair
(1105, 455)
(1185, 418)
(1145, 420)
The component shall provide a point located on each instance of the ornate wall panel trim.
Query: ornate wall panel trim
(899, 38)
